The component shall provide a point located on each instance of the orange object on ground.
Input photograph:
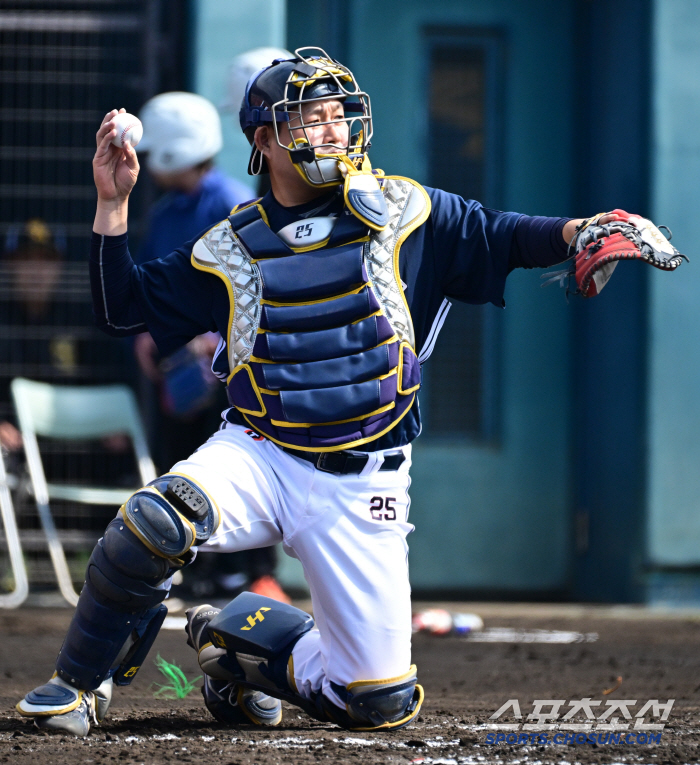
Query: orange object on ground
(270, 588)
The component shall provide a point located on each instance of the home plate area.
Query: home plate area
(631, 662)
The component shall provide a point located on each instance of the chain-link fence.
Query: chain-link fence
(63, 65)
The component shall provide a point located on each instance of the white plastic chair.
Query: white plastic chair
(75, 412)
(19, 570)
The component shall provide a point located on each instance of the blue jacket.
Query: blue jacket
(178, 217)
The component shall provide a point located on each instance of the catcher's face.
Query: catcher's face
(322, 123)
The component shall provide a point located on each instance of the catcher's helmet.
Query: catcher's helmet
(276, 93)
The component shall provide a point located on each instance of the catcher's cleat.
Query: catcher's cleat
(58, 706)
(231, 704)
(228, 702)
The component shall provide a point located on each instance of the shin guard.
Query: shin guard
(251, 642)
(111, 627)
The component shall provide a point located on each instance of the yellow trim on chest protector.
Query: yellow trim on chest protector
(221, 252)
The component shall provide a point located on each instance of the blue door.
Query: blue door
(466, 97)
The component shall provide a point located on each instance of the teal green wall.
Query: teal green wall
(609, 407)
(499, 518)
(223, 29)
(674, 317)
(491, 518)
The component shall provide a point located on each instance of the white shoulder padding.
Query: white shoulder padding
(415, 207)
(204, 248)
(202, 255)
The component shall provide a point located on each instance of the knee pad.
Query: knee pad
(376, 704)
(170, 515)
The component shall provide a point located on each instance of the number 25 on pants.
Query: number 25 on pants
(382, 508)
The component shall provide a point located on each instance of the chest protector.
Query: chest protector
(320, 340)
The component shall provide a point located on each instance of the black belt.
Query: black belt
(345, 463)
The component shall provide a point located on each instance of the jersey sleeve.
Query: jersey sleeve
(176, 300)
(538, 242)
(471, 247)
(166, 297)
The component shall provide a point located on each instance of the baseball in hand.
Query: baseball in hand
(129, 128)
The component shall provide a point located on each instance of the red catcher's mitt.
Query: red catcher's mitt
(598, 248)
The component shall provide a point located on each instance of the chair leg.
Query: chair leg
(19, 570)
(58, 556)
(41, 495)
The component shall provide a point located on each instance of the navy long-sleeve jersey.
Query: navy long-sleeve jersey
(463, 252)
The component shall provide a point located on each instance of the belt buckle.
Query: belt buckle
(342, 462)
(322, 459)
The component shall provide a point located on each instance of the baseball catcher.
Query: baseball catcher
(329, 292)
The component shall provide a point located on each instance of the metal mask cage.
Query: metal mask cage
(318, 165)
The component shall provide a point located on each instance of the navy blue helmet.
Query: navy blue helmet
(277, 93)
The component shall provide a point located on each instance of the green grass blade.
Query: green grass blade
(178, 686)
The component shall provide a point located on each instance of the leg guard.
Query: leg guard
(376, 704)
(119, 612)
(250, 642)
(121, 596)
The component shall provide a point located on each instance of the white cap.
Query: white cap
(242, 68)
(180, 130)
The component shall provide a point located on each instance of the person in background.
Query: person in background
(239, 71)
(48, 335)
(32, 268)
(181, 138)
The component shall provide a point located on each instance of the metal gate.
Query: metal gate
(63, 65)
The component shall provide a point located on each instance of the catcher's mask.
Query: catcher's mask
(276, 94)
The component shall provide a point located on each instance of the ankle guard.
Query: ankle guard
(58, 706)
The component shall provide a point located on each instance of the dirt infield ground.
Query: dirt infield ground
(465, 682)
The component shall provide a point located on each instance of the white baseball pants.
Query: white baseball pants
(348, 531)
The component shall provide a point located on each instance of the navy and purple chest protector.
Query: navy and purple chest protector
(320, 339)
